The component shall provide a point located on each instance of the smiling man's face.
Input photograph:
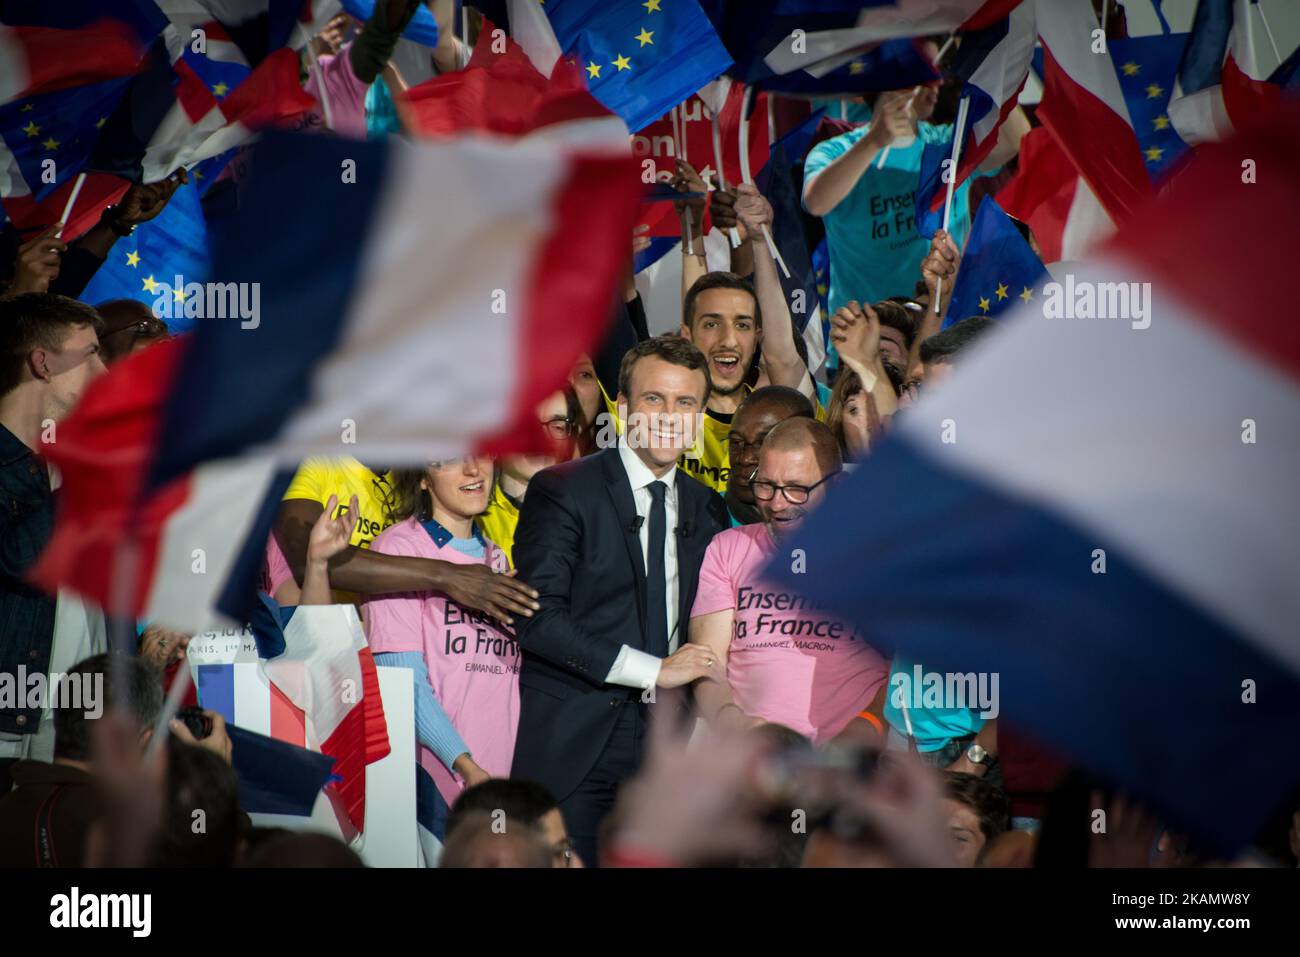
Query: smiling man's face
(725, 329)
(785, 467)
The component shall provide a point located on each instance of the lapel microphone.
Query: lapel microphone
(684, 530)
(635, 527)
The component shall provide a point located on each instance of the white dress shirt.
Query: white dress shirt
(634, 668)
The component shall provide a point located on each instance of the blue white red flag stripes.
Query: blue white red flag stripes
(41, 59)
(428, 345)
(1123, 557)
(993, 64)
(327, 671)
(1084, 108)
(1229, 73)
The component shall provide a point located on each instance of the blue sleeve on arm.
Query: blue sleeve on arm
(432, 726)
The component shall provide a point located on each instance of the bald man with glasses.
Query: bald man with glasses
(784, 661)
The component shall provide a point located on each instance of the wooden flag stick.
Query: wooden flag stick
(745, 173)
(72, 201)
(959, 134)
(719, 178)
(316, 72)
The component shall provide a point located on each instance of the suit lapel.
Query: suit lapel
(690, 548)
(620, 492)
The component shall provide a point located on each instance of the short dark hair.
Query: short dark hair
(988, 801)
(944, 346)
(126, 322)
(36, 320)
(522, 800)
(901, 313)
(790, 402)
(128, 683)
(716, 280)
(670, 348)
(198, 780)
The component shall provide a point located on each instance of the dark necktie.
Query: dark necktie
(656, 585)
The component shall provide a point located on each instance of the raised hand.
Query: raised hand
(941, 262)
(752, 209)
(37, 262)
(330, 535)
(855, 330)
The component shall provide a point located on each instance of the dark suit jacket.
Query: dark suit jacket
(574, 545)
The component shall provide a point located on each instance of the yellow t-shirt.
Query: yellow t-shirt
(500, 521)
(318, 479)
(709, 460)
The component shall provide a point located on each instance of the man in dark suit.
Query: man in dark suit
(613, 544)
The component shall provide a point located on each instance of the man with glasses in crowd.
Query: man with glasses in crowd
(784, 660)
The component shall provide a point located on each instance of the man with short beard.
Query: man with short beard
(761, 411)
(722, 316)
(782, 661)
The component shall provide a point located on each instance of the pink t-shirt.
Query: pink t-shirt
(473, 659)
(347, 95)
(788, 663)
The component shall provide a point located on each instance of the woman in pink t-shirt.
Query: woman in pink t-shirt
(472, 660)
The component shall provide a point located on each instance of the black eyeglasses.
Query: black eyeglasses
(765, 491)
(145, 327)
(560, 427)
(736, 444)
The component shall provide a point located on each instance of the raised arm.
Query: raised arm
(780, 358)
(694, 263)
(892, 118)
(939, 266)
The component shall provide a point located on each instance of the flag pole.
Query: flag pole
(72, 201)
(745, 176)
(1269, 32)
(885, 152)
(771, 119)
(319, 76)
(959, 134)
(917, 89)
(717, 159)
(681, 123)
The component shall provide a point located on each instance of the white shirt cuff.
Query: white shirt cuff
(634, 669)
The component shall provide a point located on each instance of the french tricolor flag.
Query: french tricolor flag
(1232, 72)
(993, 63)
(321, 692)
(1103, 511)
(36, 59)
(1084, 108)
(397, 302)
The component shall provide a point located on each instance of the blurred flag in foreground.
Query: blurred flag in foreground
(468, 279)
(1087, 520)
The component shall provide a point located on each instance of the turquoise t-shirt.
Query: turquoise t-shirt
(933, 727)
(875, 249)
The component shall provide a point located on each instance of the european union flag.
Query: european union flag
(145, 264)
(640, 58)
(998, 268)
(1146, 67)
(51, 136)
